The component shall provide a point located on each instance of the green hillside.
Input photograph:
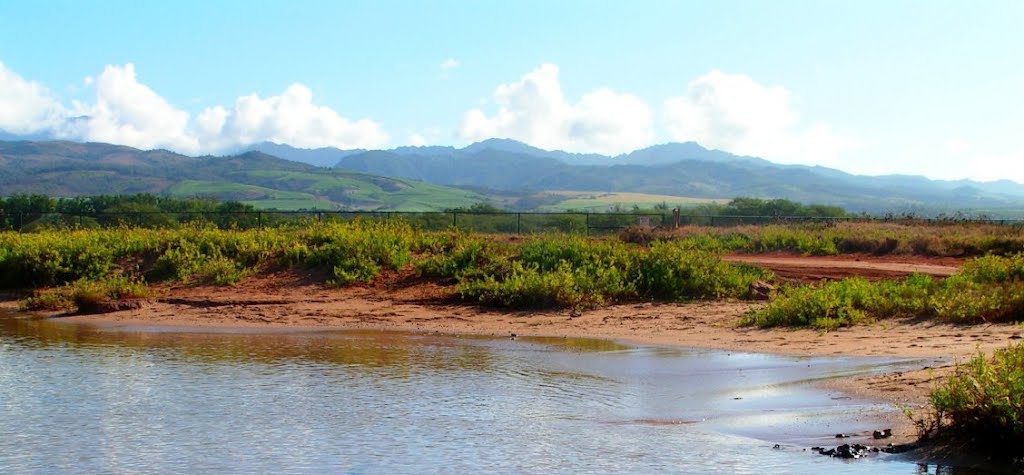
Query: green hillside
(74, 169)
(597, 201)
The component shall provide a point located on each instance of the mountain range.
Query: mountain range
(60, 168)
(680, 169)
(499, 171)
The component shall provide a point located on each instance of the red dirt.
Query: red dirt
(814, 268)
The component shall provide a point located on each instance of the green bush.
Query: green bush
(983, 401)
(86, 294)
(671, 271)
(358, 251)
(466, 255)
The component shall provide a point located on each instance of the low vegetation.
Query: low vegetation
(551, 270)
(942, 239)
(988, 289)
(983, 403)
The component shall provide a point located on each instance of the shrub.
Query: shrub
(983, 402)
(466, 255)
(358, 251)
(670, 271)
(86, 294)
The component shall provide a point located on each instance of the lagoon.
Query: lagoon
(87, 399)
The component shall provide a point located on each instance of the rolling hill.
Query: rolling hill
(60, 168)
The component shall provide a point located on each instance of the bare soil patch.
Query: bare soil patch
(815, 268)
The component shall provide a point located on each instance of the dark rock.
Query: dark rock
(884, 434)
(777, 446)
(898, 449)
(846, 451)
(108, 306)
(842, 436)
(761, 290)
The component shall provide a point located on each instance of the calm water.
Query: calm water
(86, 399)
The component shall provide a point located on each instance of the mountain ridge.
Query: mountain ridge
(652, 155)
(62, 168)
(484, 171)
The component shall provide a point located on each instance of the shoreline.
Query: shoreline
(289, 301)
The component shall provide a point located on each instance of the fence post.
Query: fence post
(519, 223)
(588, 223)
(259, 219)
(455, 219)
(21, 220)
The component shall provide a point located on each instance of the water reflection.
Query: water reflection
(87, 399)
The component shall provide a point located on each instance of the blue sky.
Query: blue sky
(922, 87)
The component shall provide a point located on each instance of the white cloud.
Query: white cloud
(534, 110)
(26, 107)
(732, 112)
(450, 63)
(128, 112)
(290, 118)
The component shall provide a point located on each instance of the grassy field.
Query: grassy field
(291, 190)
(597, 201)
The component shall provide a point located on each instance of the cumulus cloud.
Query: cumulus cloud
(25, 106)
(733, 112)
(534, 110)
(290, 118)
(128, 112)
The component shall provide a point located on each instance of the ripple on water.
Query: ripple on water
(84, 399)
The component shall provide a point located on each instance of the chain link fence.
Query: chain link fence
(502, 223)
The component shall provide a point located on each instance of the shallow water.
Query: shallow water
(77, 398)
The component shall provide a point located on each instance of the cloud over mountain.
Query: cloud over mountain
(732, 112)
(534, 110)
(292, 118)
(26, 107)
(130, 113)
(125, 111)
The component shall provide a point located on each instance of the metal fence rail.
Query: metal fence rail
(507, 223)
